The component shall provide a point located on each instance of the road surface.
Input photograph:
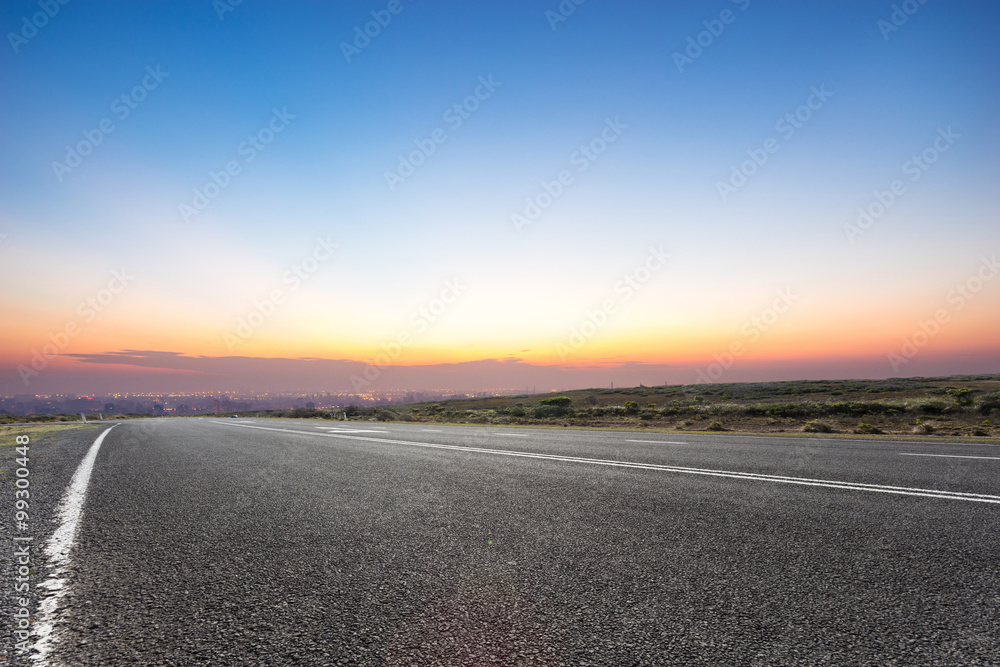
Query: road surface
(274, 542)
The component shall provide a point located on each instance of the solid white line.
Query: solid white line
(430, 430)
(59, 546)
(659, 442)
(514, 435)
(848, 440)
(759, 477)
(953, 456)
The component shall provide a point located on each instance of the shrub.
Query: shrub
(961, 396)
(632, 407)
(867, 428)
(792, 410)
(987, 403)
(932, 407)
(716, 426)
(549, 411)
(861, 408)
(923, 429)
(560, 401)
(817, 427)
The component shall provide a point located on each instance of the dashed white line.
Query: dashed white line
(953, 456)
(58, 549)
(337, 429)
(659, 442)
(757, 477)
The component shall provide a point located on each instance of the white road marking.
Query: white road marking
(757, 477)
(352, 430)
(431, 430)
(850, 439)
(514, 435)
(58, 549)
(953, 456)
(659, 442)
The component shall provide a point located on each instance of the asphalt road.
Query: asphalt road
(290, 542)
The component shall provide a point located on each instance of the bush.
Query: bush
(795, 410)
(932, 407)
(716, 426)
(817, 427)
(867, 428)
(560, 401)
(632, 407)
(923, 429)
(961, 396)
(861, 408)
(550, 411)
(987, 403)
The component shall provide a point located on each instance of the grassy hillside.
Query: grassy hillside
(948, 406)
(961, 405)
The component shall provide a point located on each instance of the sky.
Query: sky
(366, 196)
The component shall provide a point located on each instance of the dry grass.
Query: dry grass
(8, 432)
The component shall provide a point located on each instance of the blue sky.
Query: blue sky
(657, 184)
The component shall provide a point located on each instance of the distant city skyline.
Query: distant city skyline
(397, 195)
(182, 404)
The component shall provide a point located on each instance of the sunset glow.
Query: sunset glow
(552, 204)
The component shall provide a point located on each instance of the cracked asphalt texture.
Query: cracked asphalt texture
(207, 543)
